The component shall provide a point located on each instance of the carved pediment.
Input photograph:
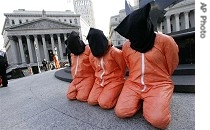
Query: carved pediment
(43, 23)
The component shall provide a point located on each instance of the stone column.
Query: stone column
(14, 50)
(29, 49)
(46, 55)
(23, 58)
(168, 23)
(159, 28)
(60, 46)
(36, 44)
(65, 37)
(52, 43)
(177, 22)
(186, 19)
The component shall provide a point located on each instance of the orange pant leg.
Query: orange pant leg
(129, 101)
(109, 95)
(84, 88)
(94, 94)
(156, 107)
(72, 92)
(57, 64)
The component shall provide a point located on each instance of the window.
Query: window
(26, 20)
(75, 21)
(20, 21)
(162, 27)
(70, 21)
(64, 20)
(13, 22)
(115, 19)
(171, 28)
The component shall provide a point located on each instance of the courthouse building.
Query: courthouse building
(31, 36)
(178, 22)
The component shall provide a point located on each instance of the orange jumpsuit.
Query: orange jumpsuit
(56, 61)
(109, 73)
(83, 76)
(149, 81)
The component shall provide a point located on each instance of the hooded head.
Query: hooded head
(74, 44)
(138, 28)
(97, 41)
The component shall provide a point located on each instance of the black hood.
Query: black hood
(97, 41)
(74, 44)
(138, 28)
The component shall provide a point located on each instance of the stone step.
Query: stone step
(63, 75)
(178, 79)
(183, 69)
(182, 83)
(67, 69)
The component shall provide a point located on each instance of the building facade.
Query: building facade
(179, 22)
(31, 36)
(85, 9)
(136, 2)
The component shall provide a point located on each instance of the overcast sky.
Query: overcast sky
(103, 9)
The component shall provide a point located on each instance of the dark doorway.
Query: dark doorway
(186, 49)
(50, 52)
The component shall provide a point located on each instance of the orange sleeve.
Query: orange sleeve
(118, 56)
(90, 56)
(171, 50)
(125, 54)
(91, 59)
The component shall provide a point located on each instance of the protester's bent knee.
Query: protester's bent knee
(106, 105)
(159, 121)
(82, 98)
(92, 102)
(120, 114)
(123, 113)
(70, 97)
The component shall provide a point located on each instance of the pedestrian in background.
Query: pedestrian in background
(81, 70)
(3, 68)
(56, 61)
(44, 64)
(109, 66)
(30, 70)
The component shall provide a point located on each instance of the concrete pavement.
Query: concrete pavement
(39, 102)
